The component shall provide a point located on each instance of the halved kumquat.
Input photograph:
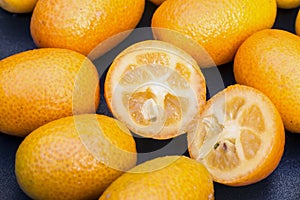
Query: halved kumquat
(156, 89)
(240, 136)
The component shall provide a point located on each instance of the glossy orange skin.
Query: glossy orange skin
(219, 26)
(39, 86)
(56, 161)
(18, 6)
(157, 2)
(297, 23)
(269, 60)
(82, 25)
(169, 177)
(288, 4)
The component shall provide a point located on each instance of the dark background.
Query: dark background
(282, 184)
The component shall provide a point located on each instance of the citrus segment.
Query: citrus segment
(252, 117)
(240, 137)
(250, 143)
(160, 86)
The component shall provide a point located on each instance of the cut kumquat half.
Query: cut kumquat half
(240, 136)
(156, 89)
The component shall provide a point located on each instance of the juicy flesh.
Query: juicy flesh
(154, 89)
(225, 145)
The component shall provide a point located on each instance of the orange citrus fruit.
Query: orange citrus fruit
(74, 157)
(240, 136)
(81, 25)
(155, 88)
(18, 6)
(288, 4)
(297, 23)
(219, 26)
(169, 177)
(38, 86)
(269, 60)
(157, 2)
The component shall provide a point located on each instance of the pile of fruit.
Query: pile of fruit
(154, 89)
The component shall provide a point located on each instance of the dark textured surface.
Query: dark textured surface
(282, 184)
